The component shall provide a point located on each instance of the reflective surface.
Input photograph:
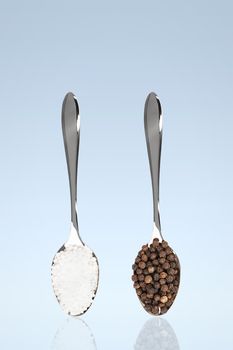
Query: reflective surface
(74, 334)
(112, 54)
(157, 334)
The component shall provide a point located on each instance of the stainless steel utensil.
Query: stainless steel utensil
(75, 269)
(156, 269)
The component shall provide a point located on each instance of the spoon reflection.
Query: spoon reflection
(74, 335)
(157, 334)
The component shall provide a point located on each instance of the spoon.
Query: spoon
(156, 269)
(75, 269)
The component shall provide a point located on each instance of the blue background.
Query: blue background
(111, 55)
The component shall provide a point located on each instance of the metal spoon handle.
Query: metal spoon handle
(153, 131)
(71, 135)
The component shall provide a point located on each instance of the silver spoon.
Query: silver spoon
(156, 269)
(75, 269)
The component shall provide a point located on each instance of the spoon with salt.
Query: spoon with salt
(75, 269)
(156, 269)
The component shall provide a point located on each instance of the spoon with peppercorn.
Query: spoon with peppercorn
(75, 269)
(156, 271)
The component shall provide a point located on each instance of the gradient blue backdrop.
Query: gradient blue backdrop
(111, 54)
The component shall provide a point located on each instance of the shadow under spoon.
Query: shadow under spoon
(156, 271)
(75, 269)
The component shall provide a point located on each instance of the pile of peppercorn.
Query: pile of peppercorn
(156, 276)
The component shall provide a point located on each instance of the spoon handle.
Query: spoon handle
(71, 135)
(153, 131)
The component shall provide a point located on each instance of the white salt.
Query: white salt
(75, 276)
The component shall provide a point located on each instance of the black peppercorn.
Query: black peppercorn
(142, 265)
(156, 276)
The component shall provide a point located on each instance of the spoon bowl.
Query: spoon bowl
(156, 276)
(75, 278)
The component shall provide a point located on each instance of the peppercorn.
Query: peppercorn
(144, 258)
(168, 250)
(143, 296)
(166, 265)
(171, 271)
(164, 288)
(164, 299)
(148, 308)
(163, 310)
(155, 262)
(163, 274)
(142, 265)
(162, 254)
(153, 256)
(150, 289)
(155, 243)
(150, 295)
(171, 257)
(169, 278)
(169, 303)
(155, 310)
(162, 281)
(148, 279)
(147, 301)
(151, 269)
(156, 276)
(141, 277)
